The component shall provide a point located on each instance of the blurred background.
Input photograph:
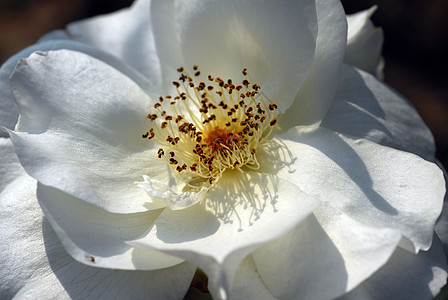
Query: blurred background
(415, 48)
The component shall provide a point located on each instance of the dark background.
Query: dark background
(415, 48)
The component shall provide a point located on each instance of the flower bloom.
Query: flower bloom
(253, 141)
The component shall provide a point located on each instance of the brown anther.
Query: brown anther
(273, 122)
(272, 106)
(195, 67)
(180, 69)
(145, 135)
(172, 153)
(152, 117)
(245, 72)
(173, 161)
(245, 82)
(176, 84)
(157, 105)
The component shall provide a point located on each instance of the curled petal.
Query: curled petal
(364, 43)
(98, 238)
(375, 185)
(8, 108)
(242, 212)
(84, 120)
(408, 275)
(35, 265)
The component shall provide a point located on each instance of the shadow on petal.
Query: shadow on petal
(355, 168)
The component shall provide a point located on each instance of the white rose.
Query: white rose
(301, 177)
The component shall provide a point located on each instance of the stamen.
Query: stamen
(209, 128)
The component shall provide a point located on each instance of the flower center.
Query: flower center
(210, 127)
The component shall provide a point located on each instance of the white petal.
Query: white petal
(21, 250)
(80, 130)
(375, 185)
(98, 238)
(274, 40)
(442, 222)
(364, 43)
(10, 167)
(323, 258)
(366, 108)
(316, 94)
(35, 263)
(127, 34)
(166, 41)
(240, 213)
(406, 276)
(247, 283)
(8, 108)
(72, 280)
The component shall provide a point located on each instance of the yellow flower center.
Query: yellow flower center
(210, 127)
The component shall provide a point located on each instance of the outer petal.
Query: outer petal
(247, 283)
(316, 95)
(8, 108)
(406, 276)
(241, 213)
(127, 34)
(323, 258)
(35, 265)
(375, 185)
(442, 222)
(98, 238)
(82, 120)
(364, 43)
(10, 167)
(365, 107)
(223, 37)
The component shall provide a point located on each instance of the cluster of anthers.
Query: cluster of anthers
(211, 125)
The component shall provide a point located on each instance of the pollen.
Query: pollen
(210, 126)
